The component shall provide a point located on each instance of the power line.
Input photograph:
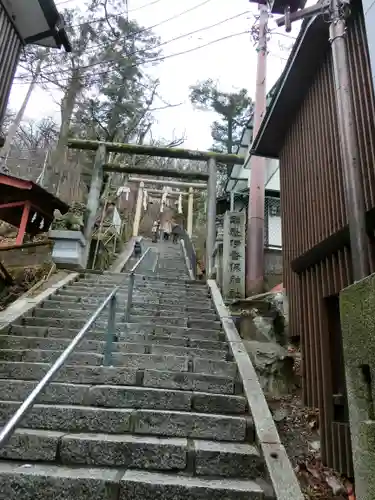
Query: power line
(142, 30)
(156, 46)
(158, 59)
(131, 10)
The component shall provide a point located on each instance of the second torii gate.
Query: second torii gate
(190, 193)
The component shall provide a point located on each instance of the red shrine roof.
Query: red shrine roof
(14, 192)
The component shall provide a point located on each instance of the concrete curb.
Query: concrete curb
(24, 304)
(281, 474)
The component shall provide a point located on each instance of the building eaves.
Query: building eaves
(55, 23)
(246, 139)
(308, 51)
(37, 22)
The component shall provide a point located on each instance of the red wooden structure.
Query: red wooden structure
(27, 206)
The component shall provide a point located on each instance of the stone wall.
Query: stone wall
(357, 306)
(30, 255)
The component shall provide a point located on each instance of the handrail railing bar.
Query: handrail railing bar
(129, 301)
(110, 333)
(7, 431)
(133, 269)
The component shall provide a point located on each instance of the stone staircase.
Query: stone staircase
(167, 421)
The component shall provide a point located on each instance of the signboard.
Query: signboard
(234, 255)
(116, 221)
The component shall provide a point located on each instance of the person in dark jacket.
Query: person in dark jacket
(176, 233)
(137, 249)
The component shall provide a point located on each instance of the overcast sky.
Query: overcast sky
(232, 61)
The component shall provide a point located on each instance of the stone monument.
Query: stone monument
(234, 256)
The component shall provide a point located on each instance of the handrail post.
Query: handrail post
(111, 329)
(129, 301)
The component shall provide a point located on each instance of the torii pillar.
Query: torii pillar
(211, 217)
(190, 212)
(138, 210)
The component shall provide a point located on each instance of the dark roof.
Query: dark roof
(56, 24)
(38, 22)
(13, 190)
(308, 51)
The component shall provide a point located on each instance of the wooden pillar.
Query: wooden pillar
(190, 212)
(138, 210)
(23, 224)
(93, 199)
(231, 209)
(211, 216)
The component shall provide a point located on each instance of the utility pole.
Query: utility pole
(338, 11)
(255, 232)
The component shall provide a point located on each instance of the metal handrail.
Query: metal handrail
(134, 268)
(129, 301)
(10, 427)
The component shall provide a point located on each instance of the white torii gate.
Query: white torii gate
(190, 193)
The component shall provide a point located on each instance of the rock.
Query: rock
(314, 445)
(279, 415)
(274, 366)
(269, 314)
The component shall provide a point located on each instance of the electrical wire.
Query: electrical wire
(199, 30)
(131, 10)
(205, 28)
(142, 30)
(158, 59)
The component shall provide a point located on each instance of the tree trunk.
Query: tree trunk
(18, 119)
(67, 107)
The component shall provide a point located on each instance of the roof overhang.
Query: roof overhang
(38, 22)
(308, 51)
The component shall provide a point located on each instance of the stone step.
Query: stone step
(74, 302)
(142, 281)
(103, 375)
(134, 344)
(154, 277)
(137, 485)
(158, 360)
(204, 324)
(196, 308)
(38, 481)
(196, 333)
(59, 309)
(182, 337)
(45, 312)
(138, 296)
(122, 298)
(49, 350)
(77, 323)
(49, 356)
(198, 293)
(136, 311)
(71, 418)
(122, 329)
(116, 396)
(209, 458)
(42, 482)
